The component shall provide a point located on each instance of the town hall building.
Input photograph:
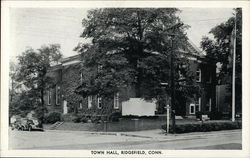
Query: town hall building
(62, 97)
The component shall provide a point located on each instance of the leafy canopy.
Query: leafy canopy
(221, 48)
(31, 74)
(130, 47)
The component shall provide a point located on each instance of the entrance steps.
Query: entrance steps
(56, 125)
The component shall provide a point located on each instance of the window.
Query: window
(38, 100)
(35, 85)
(208, 77)
(90, 99)
(80, 105)
(99, 102)
(81, 77)
(198, 75)
(57, 95)
(181, 77)
(209, 105)
(49, 97)
(99, 68)
(192, 109)
(198, 105)
(116, 101)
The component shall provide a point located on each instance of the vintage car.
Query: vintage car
(14, 121)
(27, 124)
(34, 124)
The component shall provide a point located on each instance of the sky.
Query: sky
(42, 26)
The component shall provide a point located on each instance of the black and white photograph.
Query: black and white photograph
(125, 81)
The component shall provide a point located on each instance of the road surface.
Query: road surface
(155, 139)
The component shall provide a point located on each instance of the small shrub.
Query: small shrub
(215, 115)
(52, 117)
(84, 119)
(80, 119)
(77, 119)
(198, 115)
(114, 117)
(96, 119)
(225, 115)
(204, 127)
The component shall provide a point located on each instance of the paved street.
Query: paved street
(153, 139)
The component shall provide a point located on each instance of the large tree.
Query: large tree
(15, 88)
(131, 46)
(32, 68)
(14, 85)
(221, 47)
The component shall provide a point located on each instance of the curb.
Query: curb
(162, 137)
(104, 133)
(119, 134)
(133, 135)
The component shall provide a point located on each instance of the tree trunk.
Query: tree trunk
(12, 90)
(42, 97)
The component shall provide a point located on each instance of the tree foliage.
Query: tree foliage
(221, 49)
(14, 86)
(129, 47)
(31, 74)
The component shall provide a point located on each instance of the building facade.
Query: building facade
(61, 96)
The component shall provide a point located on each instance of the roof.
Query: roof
(67, 61)
(193, 51)
(194, 48)
(71, 58)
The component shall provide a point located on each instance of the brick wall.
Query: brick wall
(68, 78)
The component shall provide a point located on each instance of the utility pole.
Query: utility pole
(172, 74)
(172, 86)
(233, 75)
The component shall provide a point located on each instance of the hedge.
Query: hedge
(204, 127)
(85, 119)
(52, 117)
(214, 115)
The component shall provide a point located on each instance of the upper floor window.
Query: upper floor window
(208, 75)
(209, 78)
(99, 102)
(116, 101)
(90, 99)
(58, 95)
(181, 77)
(49, 97)
(99, 68)
(198, 75)
(81, 77)
(80, 105)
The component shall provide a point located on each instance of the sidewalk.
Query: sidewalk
(161, 135)
(156, 134)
